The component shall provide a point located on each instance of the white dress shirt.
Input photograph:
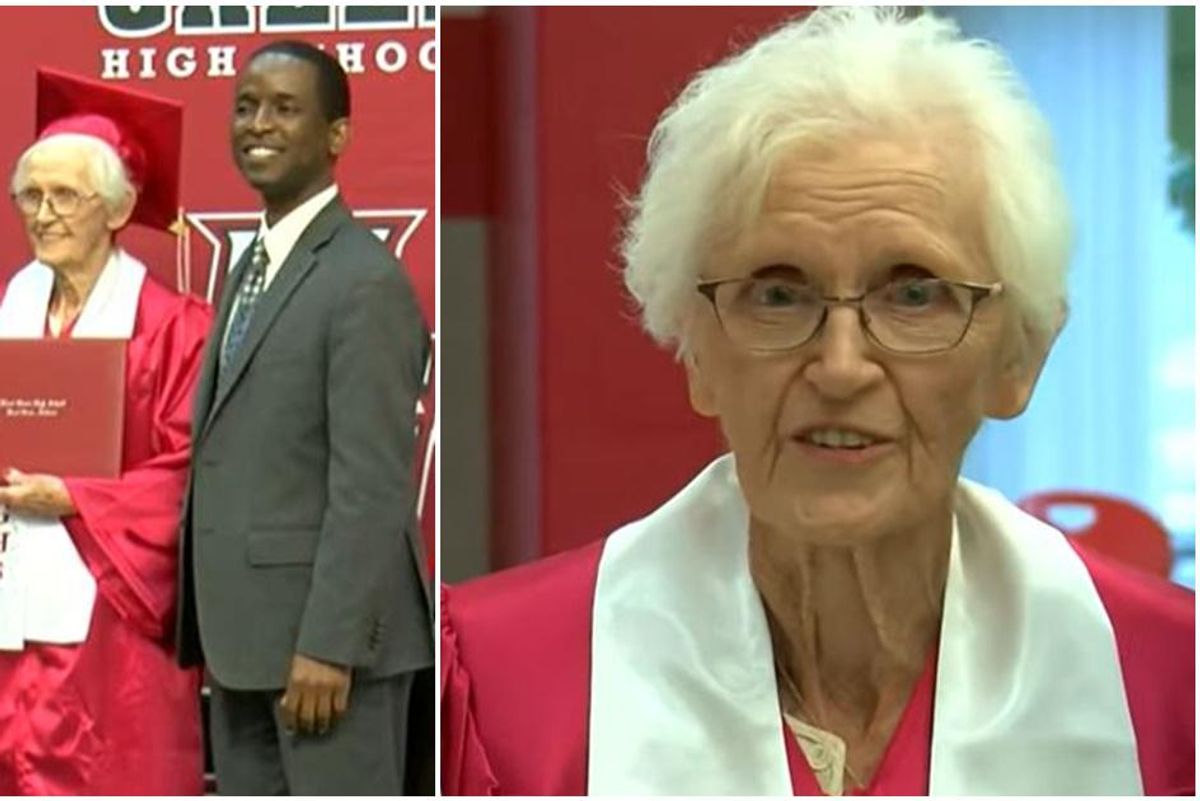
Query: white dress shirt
(280, 238)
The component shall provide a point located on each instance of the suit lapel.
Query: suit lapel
(295, 268)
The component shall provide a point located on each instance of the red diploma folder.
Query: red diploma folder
(62, 406)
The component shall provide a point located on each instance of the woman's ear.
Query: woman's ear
(699, 389)
(1021, 366)
(118, 217)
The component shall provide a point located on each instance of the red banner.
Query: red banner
(193, 53)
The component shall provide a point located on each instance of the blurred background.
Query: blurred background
(563, 421)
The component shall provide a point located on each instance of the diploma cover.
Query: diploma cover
(62, 406)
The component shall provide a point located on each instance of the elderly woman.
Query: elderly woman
(104, 710)
(854, 235)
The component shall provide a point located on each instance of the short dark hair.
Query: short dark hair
(332, 86)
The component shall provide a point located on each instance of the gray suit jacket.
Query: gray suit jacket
(299, 530)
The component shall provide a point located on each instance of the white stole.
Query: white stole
(46, 591)
(1029, 696)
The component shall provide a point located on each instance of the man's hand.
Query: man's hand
(36, 495)
(316, 697)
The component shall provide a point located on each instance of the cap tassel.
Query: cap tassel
(183, 251)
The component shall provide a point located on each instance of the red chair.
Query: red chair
(1119, 528)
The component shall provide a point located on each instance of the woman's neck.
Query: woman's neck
(851, 627)
(73, 283)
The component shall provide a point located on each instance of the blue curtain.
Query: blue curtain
(1114, 411)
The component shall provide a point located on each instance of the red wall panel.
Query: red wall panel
(468, 119)
(591, 422)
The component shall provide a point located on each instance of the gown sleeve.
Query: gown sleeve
(465, 766)
(1155, 627)
(126, 528)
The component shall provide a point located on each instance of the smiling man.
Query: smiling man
(302, 587)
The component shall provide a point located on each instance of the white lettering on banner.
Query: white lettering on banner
(428, 56)
(147, 54)
(142, 22)
(116, 63)
(394, 63)
(220, 61)
(181, 62)
(350, 56)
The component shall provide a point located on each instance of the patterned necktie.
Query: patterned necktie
(248, 295)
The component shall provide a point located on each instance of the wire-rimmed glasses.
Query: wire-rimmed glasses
(64, 201)
(907, 314)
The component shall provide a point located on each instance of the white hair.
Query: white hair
(105, 171)
(836, 73)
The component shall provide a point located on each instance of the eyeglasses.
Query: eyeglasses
(905, 315)
(63, 200)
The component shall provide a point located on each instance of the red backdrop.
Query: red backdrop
(192, 53)
(590, 422)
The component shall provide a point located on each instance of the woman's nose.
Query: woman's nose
(45, 211)
(843, 364)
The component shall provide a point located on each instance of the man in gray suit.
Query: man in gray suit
(302, 585)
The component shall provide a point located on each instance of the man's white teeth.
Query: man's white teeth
(837, 438)
(262, 151)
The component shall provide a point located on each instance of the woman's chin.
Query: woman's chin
(831, 519)
(52, 256)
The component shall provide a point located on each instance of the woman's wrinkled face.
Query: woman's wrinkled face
(839, 440)
(66, 240)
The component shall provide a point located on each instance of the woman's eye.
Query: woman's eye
(776, 293)
(913, 293)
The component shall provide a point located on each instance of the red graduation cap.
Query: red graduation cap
(146, 132)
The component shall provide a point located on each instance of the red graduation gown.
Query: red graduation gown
(114, 715)
(516, 678)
